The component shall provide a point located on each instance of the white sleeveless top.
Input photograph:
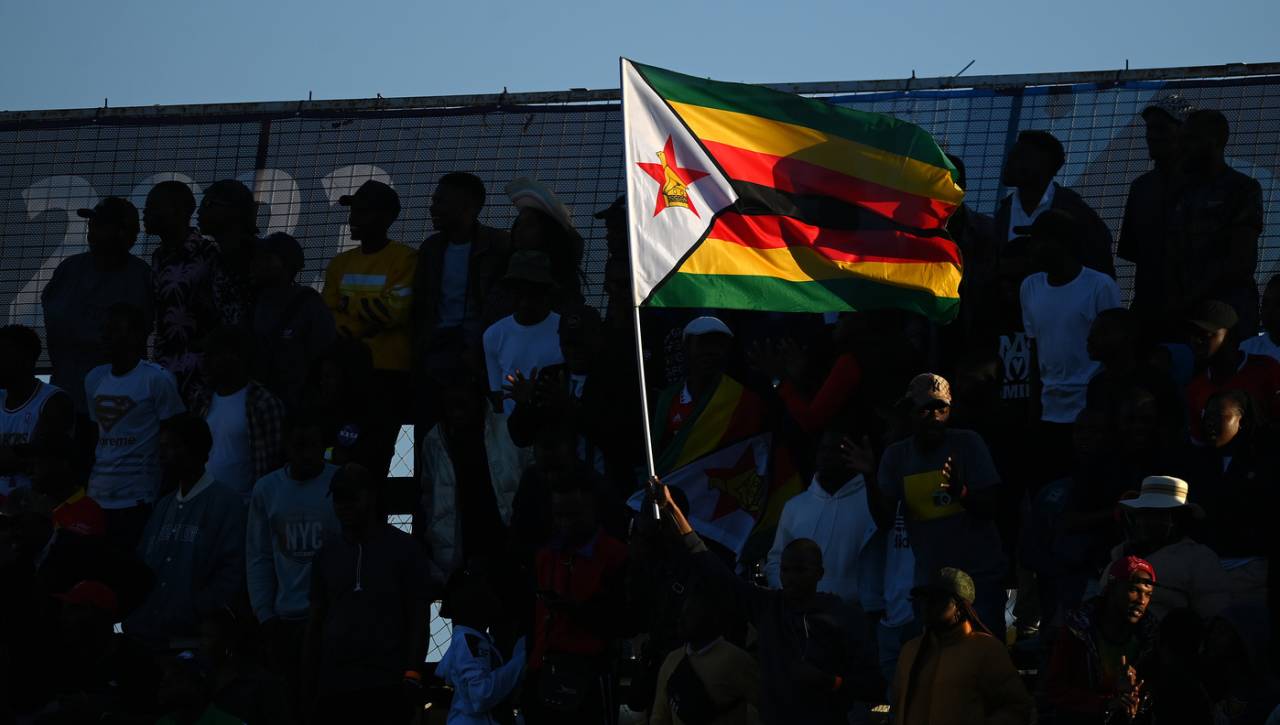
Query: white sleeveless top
(17, 426)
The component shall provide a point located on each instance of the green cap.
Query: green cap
(949, 581)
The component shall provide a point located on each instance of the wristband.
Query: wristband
(837, 684)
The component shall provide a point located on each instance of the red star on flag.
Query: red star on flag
(673, 181)
(739, 486)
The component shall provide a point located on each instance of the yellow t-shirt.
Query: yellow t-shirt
(371, 296)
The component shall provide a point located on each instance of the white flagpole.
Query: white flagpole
(635, 307)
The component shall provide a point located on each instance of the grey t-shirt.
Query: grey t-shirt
(942, 532)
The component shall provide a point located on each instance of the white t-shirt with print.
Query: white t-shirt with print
(128, 410)
(510, 346)
(1058, 319)
(231, 458)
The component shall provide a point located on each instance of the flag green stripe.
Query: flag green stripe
(747, 292)
(872, 129)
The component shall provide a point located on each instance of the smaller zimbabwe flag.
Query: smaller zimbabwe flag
(743, 197)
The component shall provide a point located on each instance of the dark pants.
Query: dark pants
(1056, 448)
(284, 657)
(378, 706)
(125, 526)
(599, 706)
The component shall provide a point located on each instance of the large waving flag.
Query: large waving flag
(743, 197)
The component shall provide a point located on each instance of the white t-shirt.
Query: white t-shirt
(128, 410)
(1058, 319)
(453, 284)
(510, 346)
(231, 458)
(1262, 345)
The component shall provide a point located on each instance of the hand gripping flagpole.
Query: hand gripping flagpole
(655, 511)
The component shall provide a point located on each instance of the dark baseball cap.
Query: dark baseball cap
(1053, 224)
(949, 581)
(373, 193)
(1173, 106)
(113, 210)
(284, 246)
(1213, 315)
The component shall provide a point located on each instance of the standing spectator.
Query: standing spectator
(1115, 343)
(370, 606)
(291, 324)
(528, 339)
(458, 267)
(370, 292)
(956, 672)
(194, 541)
(229, 213)
(1214, 227)
(1059, 305)
(1143, 237)
(1105, 653)
(337, 394)
(835, 512)
(471, 471)
(1267, 342)
(31, 411)
(1215, 338)
(1036, 157)
(708, 679)
(1156, 526)
(472, 665)
(290, 516)
(128, 399)
(545, 225)
(708, 401)
(813, 650)
(83, 289)
(580, 609)
(948, 487)
(811, 401)
(185, 266)
(245, 418)
(1234, 472)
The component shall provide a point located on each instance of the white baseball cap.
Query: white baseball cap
(705, 326)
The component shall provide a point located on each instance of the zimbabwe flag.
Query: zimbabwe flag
(743, 197)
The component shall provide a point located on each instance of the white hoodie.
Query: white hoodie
(842, 526)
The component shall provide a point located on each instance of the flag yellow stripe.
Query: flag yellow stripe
(710, 427)
(763, 135)
(805, 264)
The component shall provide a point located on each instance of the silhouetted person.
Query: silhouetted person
(1143, 237)
(956, 672)
(1116, 343)
(185, 265)
(527, 340)
(370, 606)
(545, 225)
(1213, 230)
(458, 267)
(291, 324)
(31, 411)
(1036, 157)
(1214, 332)
(815, 658)
(128, 399)
(370, 292)
(1059, 304)
(194, 541)
(85, 286)
(229, 213)
(1267, 342)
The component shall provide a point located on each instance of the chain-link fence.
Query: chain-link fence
(300, 157)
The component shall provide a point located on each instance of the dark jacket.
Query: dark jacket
(1074, 683)
(829, 635)
(1096, 242)
(489, 252)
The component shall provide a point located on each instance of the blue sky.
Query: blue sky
(63, 53)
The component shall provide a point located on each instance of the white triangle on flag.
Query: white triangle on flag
(674, 189)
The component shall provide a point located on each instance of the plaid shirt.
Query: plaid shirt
(266, 415)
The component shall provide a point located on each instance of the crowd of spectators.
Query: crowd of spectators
(1055, 507)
